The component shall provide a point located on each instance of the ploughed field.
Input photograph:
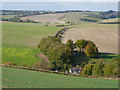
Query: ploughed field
(105, 36)
(46, 18)
(18, 78)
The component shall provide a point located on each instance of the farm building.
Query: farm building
(75, 70)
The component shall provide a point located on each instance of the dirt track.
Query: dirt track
(51, 18)
(106, 40)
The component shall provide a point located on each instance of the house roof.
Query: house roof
(75, 69)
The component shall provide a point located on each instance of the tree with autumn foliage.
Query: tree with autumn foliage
(91, 50)
(81, 44)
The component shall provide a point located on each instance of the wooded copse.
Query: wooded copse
(60, 54)
(17, 19)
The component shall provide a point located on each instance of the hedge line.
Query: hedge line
(62, 73)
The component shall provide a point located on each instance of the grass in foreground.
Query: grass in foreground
(19, 78)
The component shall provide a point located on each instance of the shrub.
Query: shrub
(43, 64)
(98, 68)
(110, 68)
(87, 70)
(116, 72)
(83, 64)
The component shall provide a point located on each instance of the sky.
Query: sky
(59, 5)
(60, 0)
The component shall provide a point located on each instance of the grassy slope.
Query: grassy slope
(32, 79)
(75, 17)
(20, 41)
(25, 34)
(20, 56)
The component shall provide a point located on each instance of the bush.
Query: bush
(43, 65)
(98, 68)
(111, 67)
(83, 64)
(116, 72)
(87, 70)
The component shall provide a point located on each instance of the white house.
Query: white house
(75, 70)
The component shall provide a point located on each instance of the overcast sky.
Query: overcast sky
(60, 0)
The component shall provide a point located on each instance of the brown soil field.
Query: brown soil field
(104, 36)
(51, 18)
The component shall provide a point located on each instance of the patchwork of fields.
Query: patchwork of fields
(20, 42)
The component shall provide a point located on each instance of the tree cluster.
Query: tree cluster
(89, 20)
(102, 68)
(87, 47)
(17, 19)
(58, 53)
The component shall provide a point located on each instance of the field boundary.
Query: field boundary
(61, 32)
(54, 72)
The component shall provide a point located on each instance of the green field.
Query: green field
(26, 34)
(32, 79)
(20, 41)
(20, 56)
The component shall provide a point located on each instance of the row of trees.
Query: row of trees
(89, 20)
(16, 19)
(110, 22)
(102, 68)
